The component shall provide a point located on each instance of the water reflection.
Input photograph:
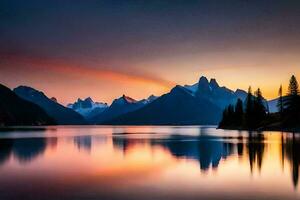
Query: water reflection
(207, 150)
(24, 150)
(83, 143)
(255, 146)
(204, 149)
(5, 150)
(291, 150)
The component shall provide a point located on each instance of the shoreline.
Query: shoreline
(273, 129)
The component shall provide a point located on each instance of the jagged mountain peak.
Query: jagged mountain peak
(86, 100)
(89, 99)
(128, 99)
(203, 81)
(124, 100)
(203, 86)
(213, 83)
(86, 103)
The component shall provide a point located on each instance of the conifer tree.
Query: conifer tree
(259, 107)
(293, 89)
(228, 116)
(249, 109)
(239, 112)
(280, 101)
(292, 103)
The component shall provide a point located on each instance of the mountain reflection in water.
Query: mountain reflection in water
(95, 154)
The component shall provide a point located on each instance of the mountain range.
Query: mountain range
(120, 106)
(200, 103)
(178, 107)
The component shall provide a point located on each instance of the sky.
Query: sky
(104, 49)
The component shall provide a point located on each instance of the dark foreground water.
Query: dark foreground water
(148, 163)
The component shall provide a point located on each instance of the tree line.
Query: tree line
(253, 112)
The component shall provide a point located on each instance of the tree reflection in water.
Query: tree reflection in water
(255, 146)
(291, 151)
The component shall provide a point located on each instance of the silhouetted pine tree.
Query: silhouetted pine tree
(255, 114)
(239, 112)
(228, 116)
(249, 115)
(259, 109)
(280, 102)
(292, 103)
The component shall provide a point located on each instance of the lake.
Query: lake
(159, 162)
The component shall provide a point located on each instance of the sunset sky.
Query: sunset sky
(103, 49)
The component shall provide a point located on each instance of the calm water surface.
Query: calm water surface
(95, 162)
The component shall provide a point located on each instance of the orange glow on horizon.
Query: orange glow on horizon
(55, 77)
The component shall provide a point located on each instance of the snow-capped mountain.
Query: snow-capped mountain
(88, 107)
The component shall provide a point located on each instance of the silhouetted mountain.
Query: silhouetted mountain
(220, 96)
(180, 106)
(58, 112)
(88, 108)
(118, 107)
(17, 111)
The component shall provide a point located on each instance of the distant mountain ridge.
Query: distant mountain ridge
(200, 103)
(119, 106)
(17, 111)
(178, 107)
(61, 114)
